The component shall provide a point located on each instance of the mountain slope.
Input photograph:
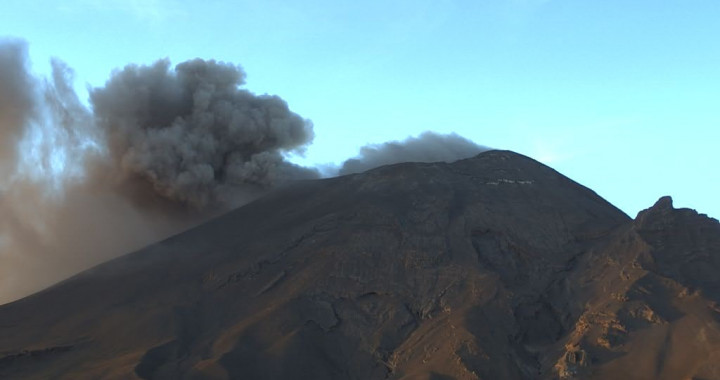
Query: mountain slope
(491, 267)
(653, 313)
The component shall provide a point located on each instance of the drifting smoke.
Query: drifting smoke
(161, 149)
(428, 147)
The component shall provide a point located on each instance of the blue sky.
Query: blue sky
(620, 96)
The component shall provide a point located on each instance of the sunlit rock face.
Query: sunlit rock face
(494, 267)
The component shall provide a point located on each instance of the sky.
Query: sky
(619, 96)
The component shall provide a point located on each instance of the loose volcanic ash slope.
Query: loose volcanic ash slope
(491, 267)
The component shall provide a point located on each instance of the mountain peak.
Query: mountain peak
(488, 267)
(664, 203)
(660, 213)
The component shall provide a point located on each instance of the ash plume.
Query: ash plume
(428, 147)
(191, 136)
(160, 149)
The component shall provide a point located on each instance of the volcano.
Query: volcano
(493, 267)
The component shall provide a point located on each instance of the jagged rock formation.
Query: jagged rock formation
(487, 268)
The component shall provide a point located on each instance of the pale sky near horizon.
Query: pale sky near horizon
(619, 96)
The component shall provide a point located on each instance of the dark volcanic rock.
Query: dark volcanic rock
(491, 267)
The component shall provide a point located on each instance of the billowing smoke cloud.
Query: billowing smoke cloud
(191, 136)
(428, 147)
(161, 148)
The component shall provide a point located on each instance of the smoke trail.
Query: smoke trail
(428, 147)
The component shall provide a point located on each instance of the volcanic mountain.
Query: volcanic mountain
(493, 267)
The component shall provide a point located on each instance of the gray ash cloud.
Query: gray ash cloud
(193, 136)
(428, 147)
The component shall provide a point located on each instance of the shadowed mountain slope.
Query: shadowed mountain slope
(491, 267)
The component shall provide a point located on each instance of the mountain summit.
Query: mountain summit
(493, 267)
